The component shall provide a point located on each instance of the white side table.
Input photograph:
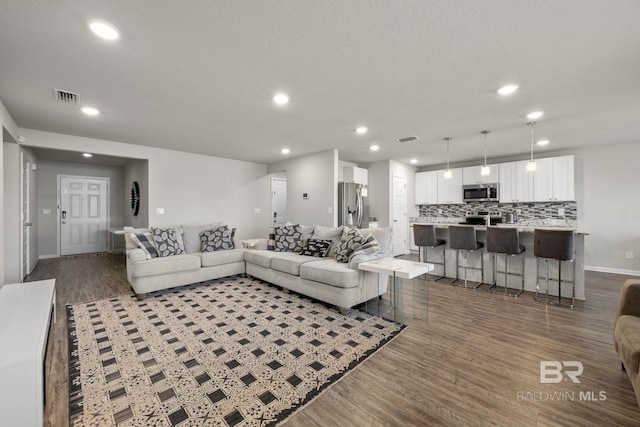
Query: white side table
(25, 314)
(113, 234)
(397, 268)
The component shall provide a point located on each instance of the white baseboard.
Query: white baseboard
(47, 256)
(612, 270)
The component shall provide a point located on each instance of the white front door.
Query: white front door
(83, 215)
(399, 209)
(278, 201)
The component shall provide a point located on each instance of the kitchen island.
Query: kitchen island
(526, 240)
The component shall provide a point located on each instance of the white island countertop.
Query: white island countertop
(522, 227)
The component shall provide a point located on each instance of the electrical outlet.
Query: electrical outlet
(329, 210)
(629, 255)
(560, 211)
(440, 211)
(519, 211)
(159, 211)
(46, 211)
(256, 211)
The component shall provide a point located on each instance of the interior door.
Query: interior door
(278, 201)
(83, 215)
(26, 217)
(400, 224)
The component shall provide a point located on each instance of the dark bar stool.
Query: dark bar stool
(556, 245)
(424, 236)
(463, 238)
(504, 241)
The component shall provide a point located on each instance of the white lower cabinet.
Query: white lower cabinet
(25, 312)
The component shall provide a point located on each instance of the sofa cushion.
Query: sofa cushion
(350, 241)
(289, 262)
(331, 272)
(166, 265)
(289, 238)
(191, 235)
(211, 259)
(369, 247)
(627, 336)
(260, 257)
(168, 241)
(316, 248)
(219, 239)
(382, 235)
(146, 242)
(328, 233)
(128, 231)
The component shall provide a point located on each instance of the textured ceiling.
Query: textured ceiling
(199, 76)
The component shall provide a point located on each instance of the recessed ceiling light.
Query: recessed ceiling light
(413, 161)
(104, 30)
(535, 115)
(285, 151)
(87, 155)
(281, 98)
(90, 111)
(507, 89)
(374, 147)
(362, 130)
(543, 142)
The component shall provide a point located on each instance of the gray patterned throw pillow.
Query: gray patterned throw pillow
(167, 241)
(288, 238)
(146, 242)
(351, 240)
(317, 248)
(220, 239)
(369, 247)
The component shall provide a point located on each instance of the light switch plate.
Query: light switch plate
(256, 211)
(160, 211)
(46, 211)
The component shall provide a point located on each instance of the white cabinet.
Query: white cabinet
(516, 184)
(25, 311)
(354, 174)
(554, 179)
(471, 175)
(450, 189)
(426, 188)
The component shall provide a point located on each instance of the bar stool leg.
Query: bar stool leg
(481, 272)
(559, 282)
(495, 268)
(547, 292)
(573, 286)
(506, 272)
(537, 278)
(465, 268)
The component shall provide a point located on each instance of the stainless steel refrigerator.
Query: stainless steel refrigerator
(350, 204)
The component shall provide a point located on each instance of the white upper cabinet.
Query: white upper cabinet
(426, 188)
(354, 174)
(450, 189)
(516, 184)
(554, 179)
(471, 175)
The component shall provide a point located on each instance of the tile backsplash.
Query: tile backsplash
(527, 211)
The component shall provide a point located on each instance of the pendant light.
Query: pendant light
(448, 174)
(531, 165)
(485, 170)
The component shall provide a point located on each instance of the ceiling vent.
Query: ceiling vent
(408, 139)
(66, 96)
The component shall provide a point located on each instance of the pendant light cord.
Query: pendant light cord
(532, 124)
(448, 139)
(485, 132)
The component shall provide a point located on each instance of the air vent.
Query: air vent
(66, 96)
(408, 139)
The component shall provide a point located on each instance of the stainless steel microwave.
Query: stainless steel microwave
(480, 193)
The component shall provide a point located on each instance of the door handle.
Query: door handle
(28, 224)
(64, 215)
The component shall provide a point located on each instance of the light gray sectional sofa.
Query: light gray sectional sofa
(326, 279)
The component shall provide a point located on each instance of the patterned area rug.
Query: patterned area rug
(236, 352)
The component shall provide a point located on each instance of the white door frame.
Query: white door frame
(273, 207)
(404, 223)
(23, 218)
(59, 232)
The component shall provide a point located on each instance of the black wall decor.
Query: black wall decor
(135, 198)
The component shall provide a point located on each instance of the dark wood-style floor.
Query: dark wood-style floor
(474, 362)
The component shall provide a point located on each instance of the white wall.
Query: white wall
(317, 175)
(138, 171)
(9, 134)
(191, 188)
(12, 223)
(379, 192)
(48, 171)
